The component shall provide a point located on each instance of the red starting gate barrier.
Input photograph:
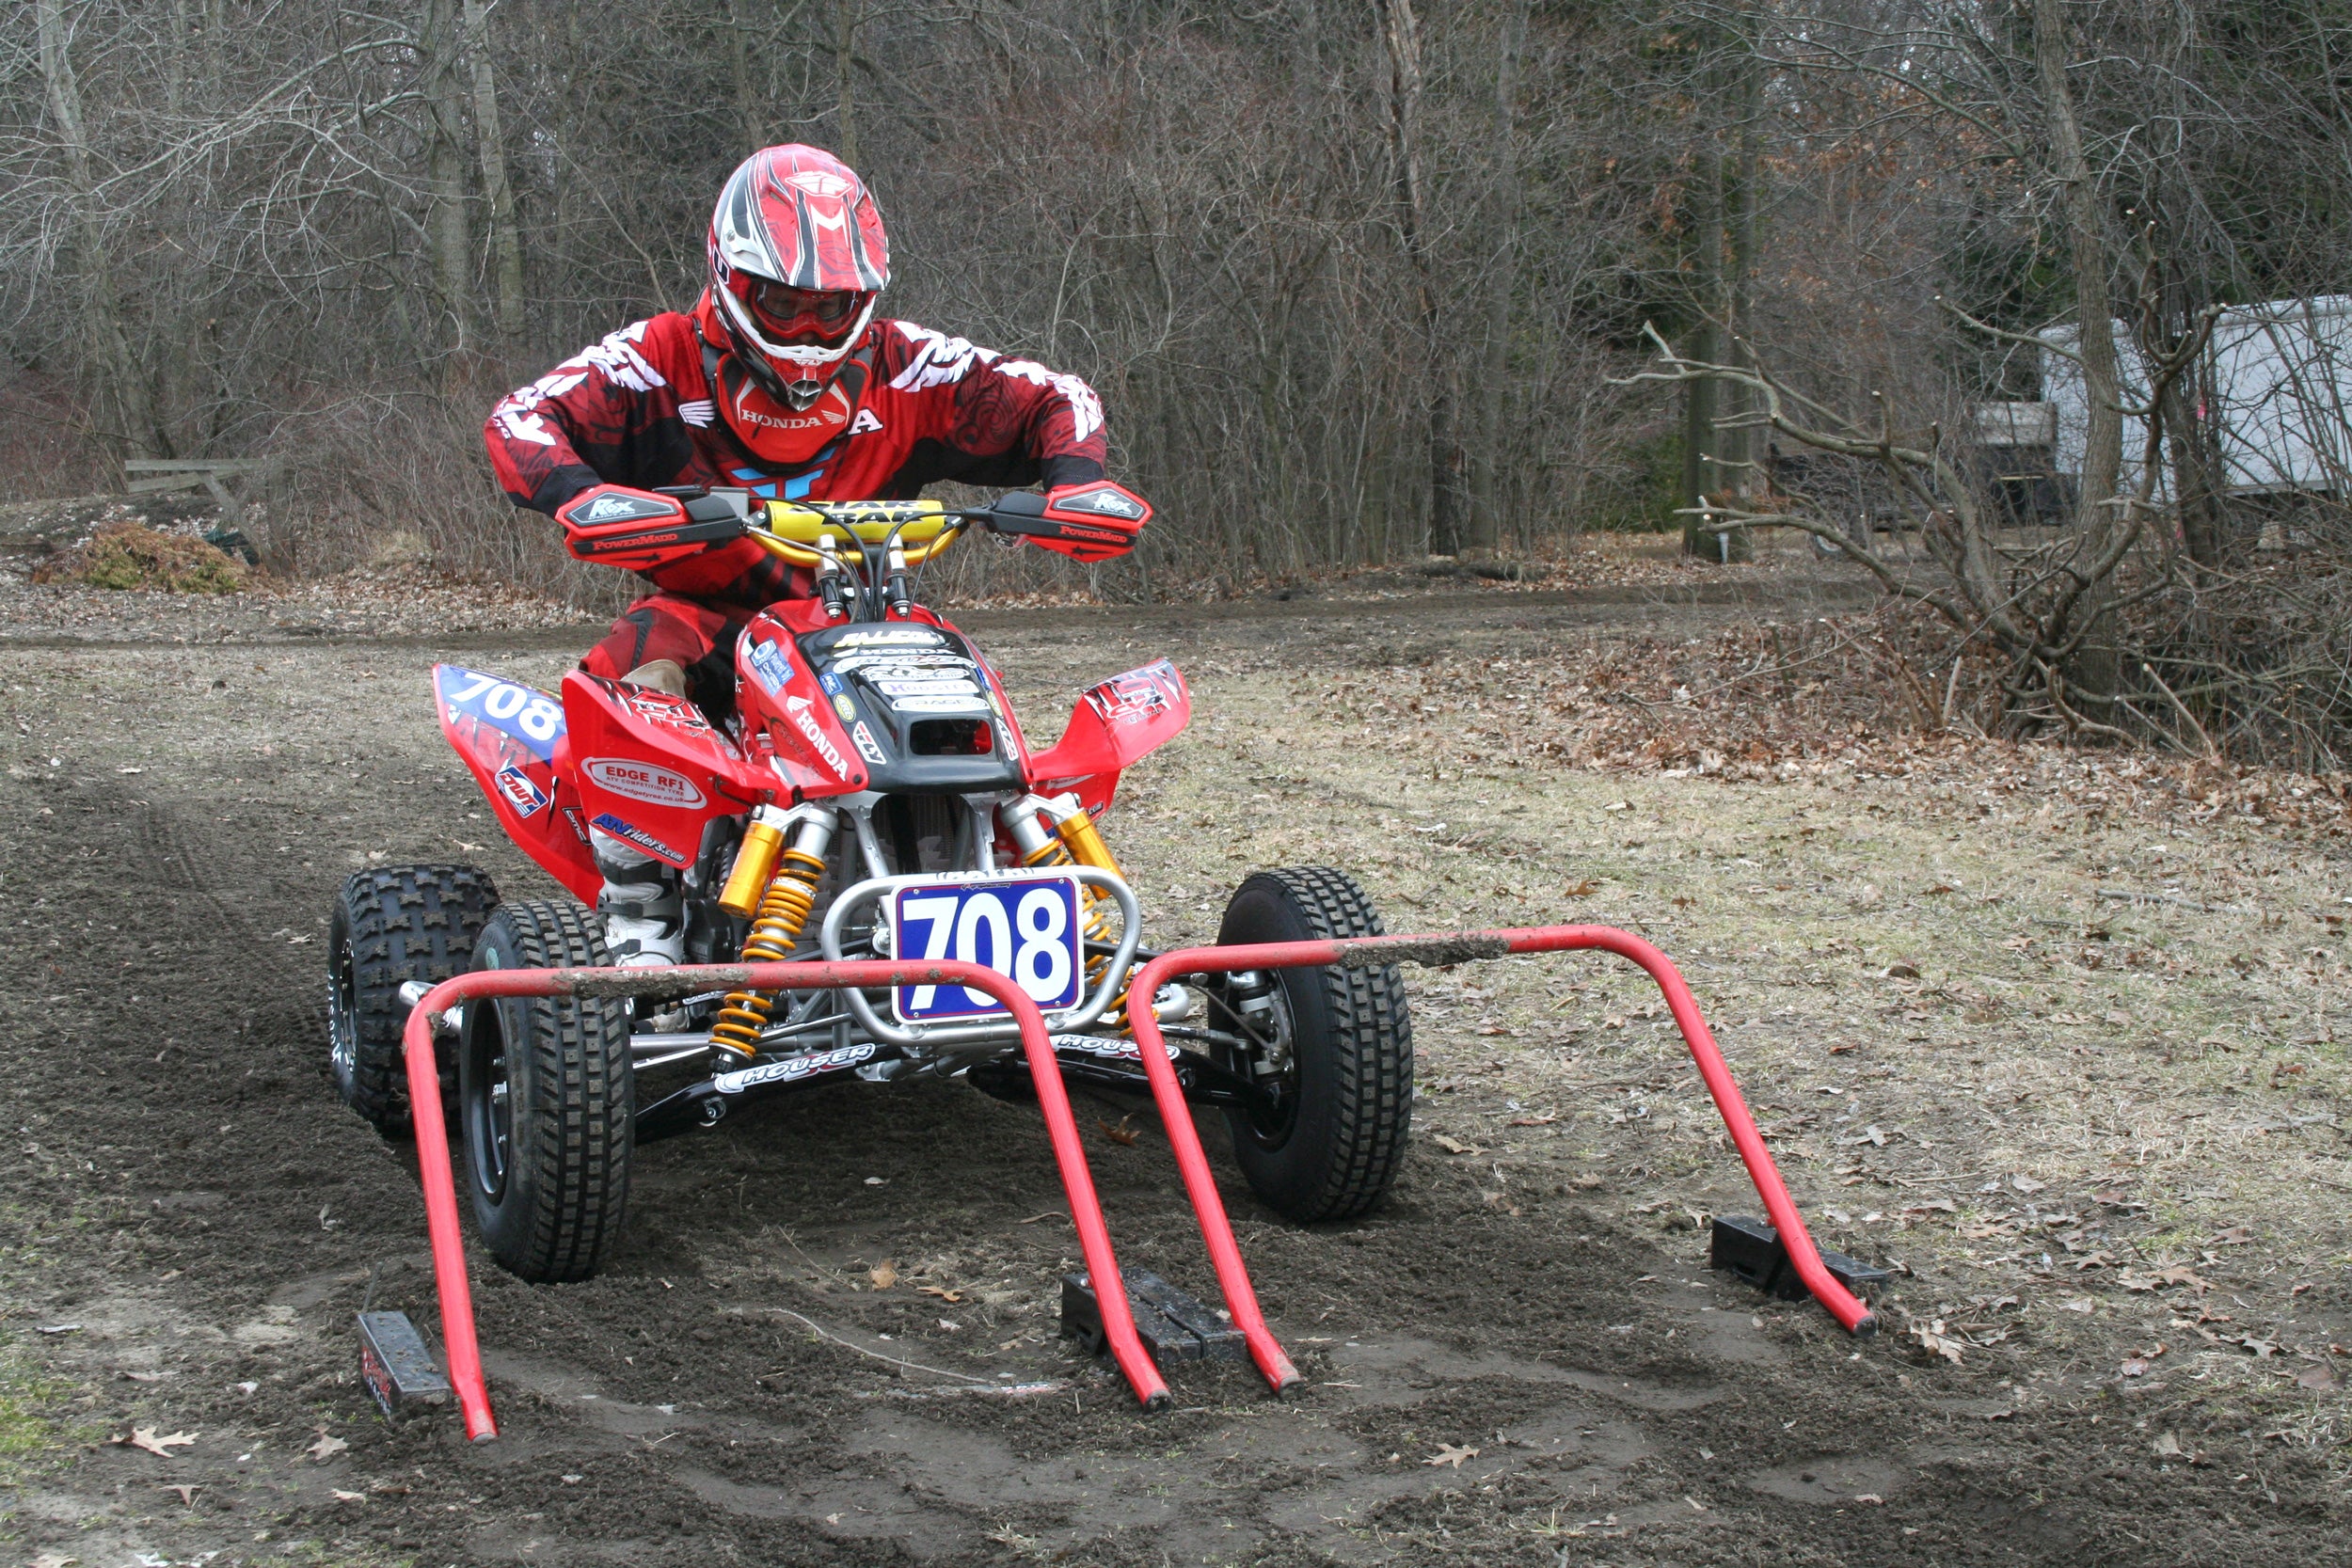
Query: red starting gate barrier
(1085, 1211)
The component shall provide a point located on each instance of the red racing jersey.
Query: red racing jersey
(656, 404)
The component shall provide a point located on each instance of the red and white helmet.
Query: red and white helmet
(797, 256)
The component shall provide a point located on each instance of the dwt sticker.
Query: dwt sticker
(643, 781)
(516, 788)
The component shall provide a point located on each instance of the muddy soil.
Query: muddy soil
(818, 1341)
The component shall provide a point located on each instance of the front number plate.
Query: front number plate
(1024, 926)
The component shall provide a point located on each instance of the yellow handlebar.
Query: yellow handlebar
(799, 532)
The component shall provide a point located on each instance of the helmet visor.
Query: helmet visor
(789, 315)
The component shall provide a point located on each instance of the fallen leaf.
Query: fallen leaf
(2168, 1446)
(2134, 1368)
(1870, 1498)
(2081, 1304)
(187, 1493)
(1931, 1337)
(144, 1437)
(326, 1448)
(935, 1290)
(52, 1560)
(2237, 1235)
(884, 1274)
(1544, 1121)
(2026, 1183)
(1448, 1455)
(1452, 1146)
(343, 1496)
(2320, 1379)
(1122, 1134)
(2264, 1348)
(1586, 888)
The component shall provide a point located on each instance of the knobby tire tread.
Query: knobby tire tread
(1372, 1105)
(406, 923)
(581, 1131)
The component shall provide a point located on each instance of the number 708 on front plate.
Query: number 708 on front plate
(1025, 928)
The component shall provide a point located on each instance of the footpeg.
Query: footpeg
(1750, 1250)
(397, 1367)
(1172, 1325)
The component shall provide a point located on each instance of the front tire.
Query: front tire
(393, 924)
(548, 1102)
(1340, 1044)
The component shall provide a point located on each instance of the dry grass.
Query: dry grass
(2055, 1034)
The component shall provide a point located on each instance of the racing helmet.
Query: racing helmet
(797, 256)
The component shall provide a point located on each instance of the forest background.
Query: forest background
(1358, 282)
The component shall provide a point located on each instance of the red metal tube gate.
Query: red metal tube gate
(1452, 949)
(440, 1199)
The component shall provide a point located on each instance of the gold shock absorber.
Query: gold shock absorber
(1074, 841)
(782, 913)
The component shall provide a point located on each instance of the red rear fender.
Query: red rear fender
(509, 736)
(1124, 719)
(649, 767)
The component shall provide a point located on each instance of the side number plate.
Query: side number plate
(1025, 928)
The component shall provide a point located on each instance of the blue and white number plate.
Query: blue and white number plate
(1024, 926)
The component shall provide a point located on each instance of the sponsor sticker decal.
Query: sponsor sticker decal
(1117, 1051)
(791, 1068)
(643, 781)
(630, 833)
(771, 664)
(844, 707)
(969, 702)
(516, 788)
(806, 723)
(917, 637)
(868, 746)
(945, 686)
(830, 681)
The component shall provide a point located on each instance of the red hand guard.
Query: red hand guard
(1093, 521)
(615, 526)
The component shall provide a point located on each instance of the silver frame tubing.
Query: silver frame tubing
(994, 1034)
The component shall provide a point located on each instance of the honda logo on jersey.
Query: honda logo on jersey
(780, 435)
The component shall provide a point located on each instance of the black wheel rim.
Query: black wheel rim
(343, 1013)
(1270, 1125)
(490, 1103)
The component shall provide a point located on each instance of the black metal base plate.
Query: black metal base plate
(1172, 1325)
(1750, 1251)
(397, 1367)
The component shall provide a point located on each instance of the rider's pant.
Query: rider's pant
(697, 635)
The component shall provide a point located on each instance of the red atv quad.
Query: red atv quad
(870, 795)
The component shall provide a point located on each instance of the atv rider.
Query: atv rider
(781, 381)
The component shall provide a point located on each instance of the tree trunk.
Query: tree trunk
(1741, 449)
(845, 16)
(747, 114)
(507, 241)
(1486, 532)
(126, 388)
(448, 228)
(1401, 35)
(1701, 398)
(2094, 668)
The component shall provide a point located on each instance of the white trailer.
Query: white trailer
(2281, 374)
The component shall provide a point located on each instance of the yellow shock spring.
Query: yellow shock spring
(791, 894)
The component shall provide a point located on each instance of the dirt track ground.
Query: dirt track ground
(2086, 1128)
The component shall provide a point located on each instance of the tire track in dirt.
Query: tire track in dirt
(1617, 1407)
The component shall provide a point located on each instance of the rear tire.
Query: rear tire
(392, 926)
(548, 1102)
(1335, 1148)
